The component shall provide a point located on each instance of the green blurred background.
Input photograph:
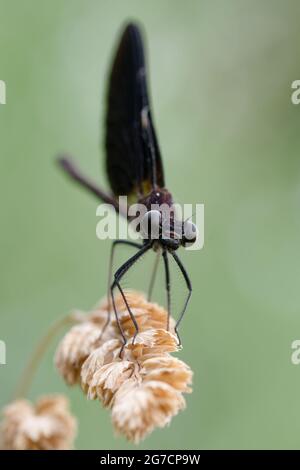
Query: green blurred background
(221, 75)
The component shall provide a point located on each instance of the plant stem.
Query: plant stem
(38, 353)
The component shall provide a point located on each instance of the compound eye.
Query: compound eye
(150, 224)
(190, 232)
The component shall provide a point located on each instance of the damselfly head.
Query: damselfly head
(169, 232)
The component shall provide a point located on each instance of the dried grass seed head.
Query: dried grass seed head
(48, 425)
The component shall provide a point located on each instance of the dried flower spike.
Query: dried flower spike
(48, 425)
(79, 342)
(144, 388)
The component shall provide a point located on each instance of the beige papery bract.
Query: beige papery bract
(78, 344)
(140, 407)
(47, 425)
(143, 388)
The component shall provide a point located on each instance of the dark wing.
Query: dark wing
(133, 161)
